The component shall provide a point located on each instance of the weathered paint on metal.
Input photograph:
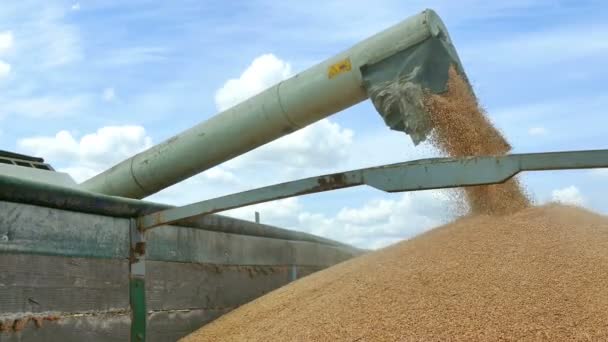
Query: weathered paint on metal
(40, 230)
(30, 229)
(439, 173)
(137, 297)
(409, 176)
(51, 196)
(137, 284)
(179, 244)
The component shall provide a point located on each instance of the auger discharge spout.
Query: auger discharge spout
(417, 51)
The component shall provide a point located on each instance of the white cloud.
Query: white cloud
(359, 20)
(383, 221)
(61, 146)
(265, 71)
(541, 48)
(322, 146)
(6, 45)
(281, 212)
(373, 212)
(212, 183)
(91, 153)
(6, 41)
(319, 146)
(109, 94)
(377, 223)
(221, 175)
(61, 41)
(41, 27)
(5, 69)
(537, 131)
(42, 107)
(316, 149)
(135, 55)
(75, 7)
(568, 195)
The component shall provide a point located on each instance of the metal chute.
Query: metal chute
(420, 43)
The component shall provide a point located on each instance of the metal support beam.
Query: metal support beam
(409, 176)
(137, 284)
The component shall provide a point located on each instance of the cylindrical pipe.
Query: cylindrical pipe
(307, 97)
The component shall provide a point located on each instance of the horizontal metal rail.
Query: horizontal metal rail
(409, 176)
(18, 190)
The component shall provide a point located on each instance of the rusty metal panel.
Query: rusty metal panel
(93, 327)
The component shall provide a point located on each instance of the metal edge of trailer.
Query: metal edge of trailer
(17, 190)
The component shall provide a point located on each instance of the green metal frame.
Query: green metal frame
(137, 298)
(409, 176)
(137, 284)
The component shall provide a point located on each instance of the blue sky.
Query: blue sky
(88, 83)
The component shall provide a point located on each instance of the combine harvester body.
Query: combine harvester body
(93, 262)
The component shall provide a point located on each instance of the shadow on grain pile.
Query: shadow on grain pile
(538, 274)
(508, 271)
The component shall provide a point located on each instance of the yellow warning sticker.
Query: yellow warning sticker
(338, 68)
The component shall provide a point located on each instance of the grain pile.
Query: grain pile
(538, 274)
(525, 274)
(461, 128)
